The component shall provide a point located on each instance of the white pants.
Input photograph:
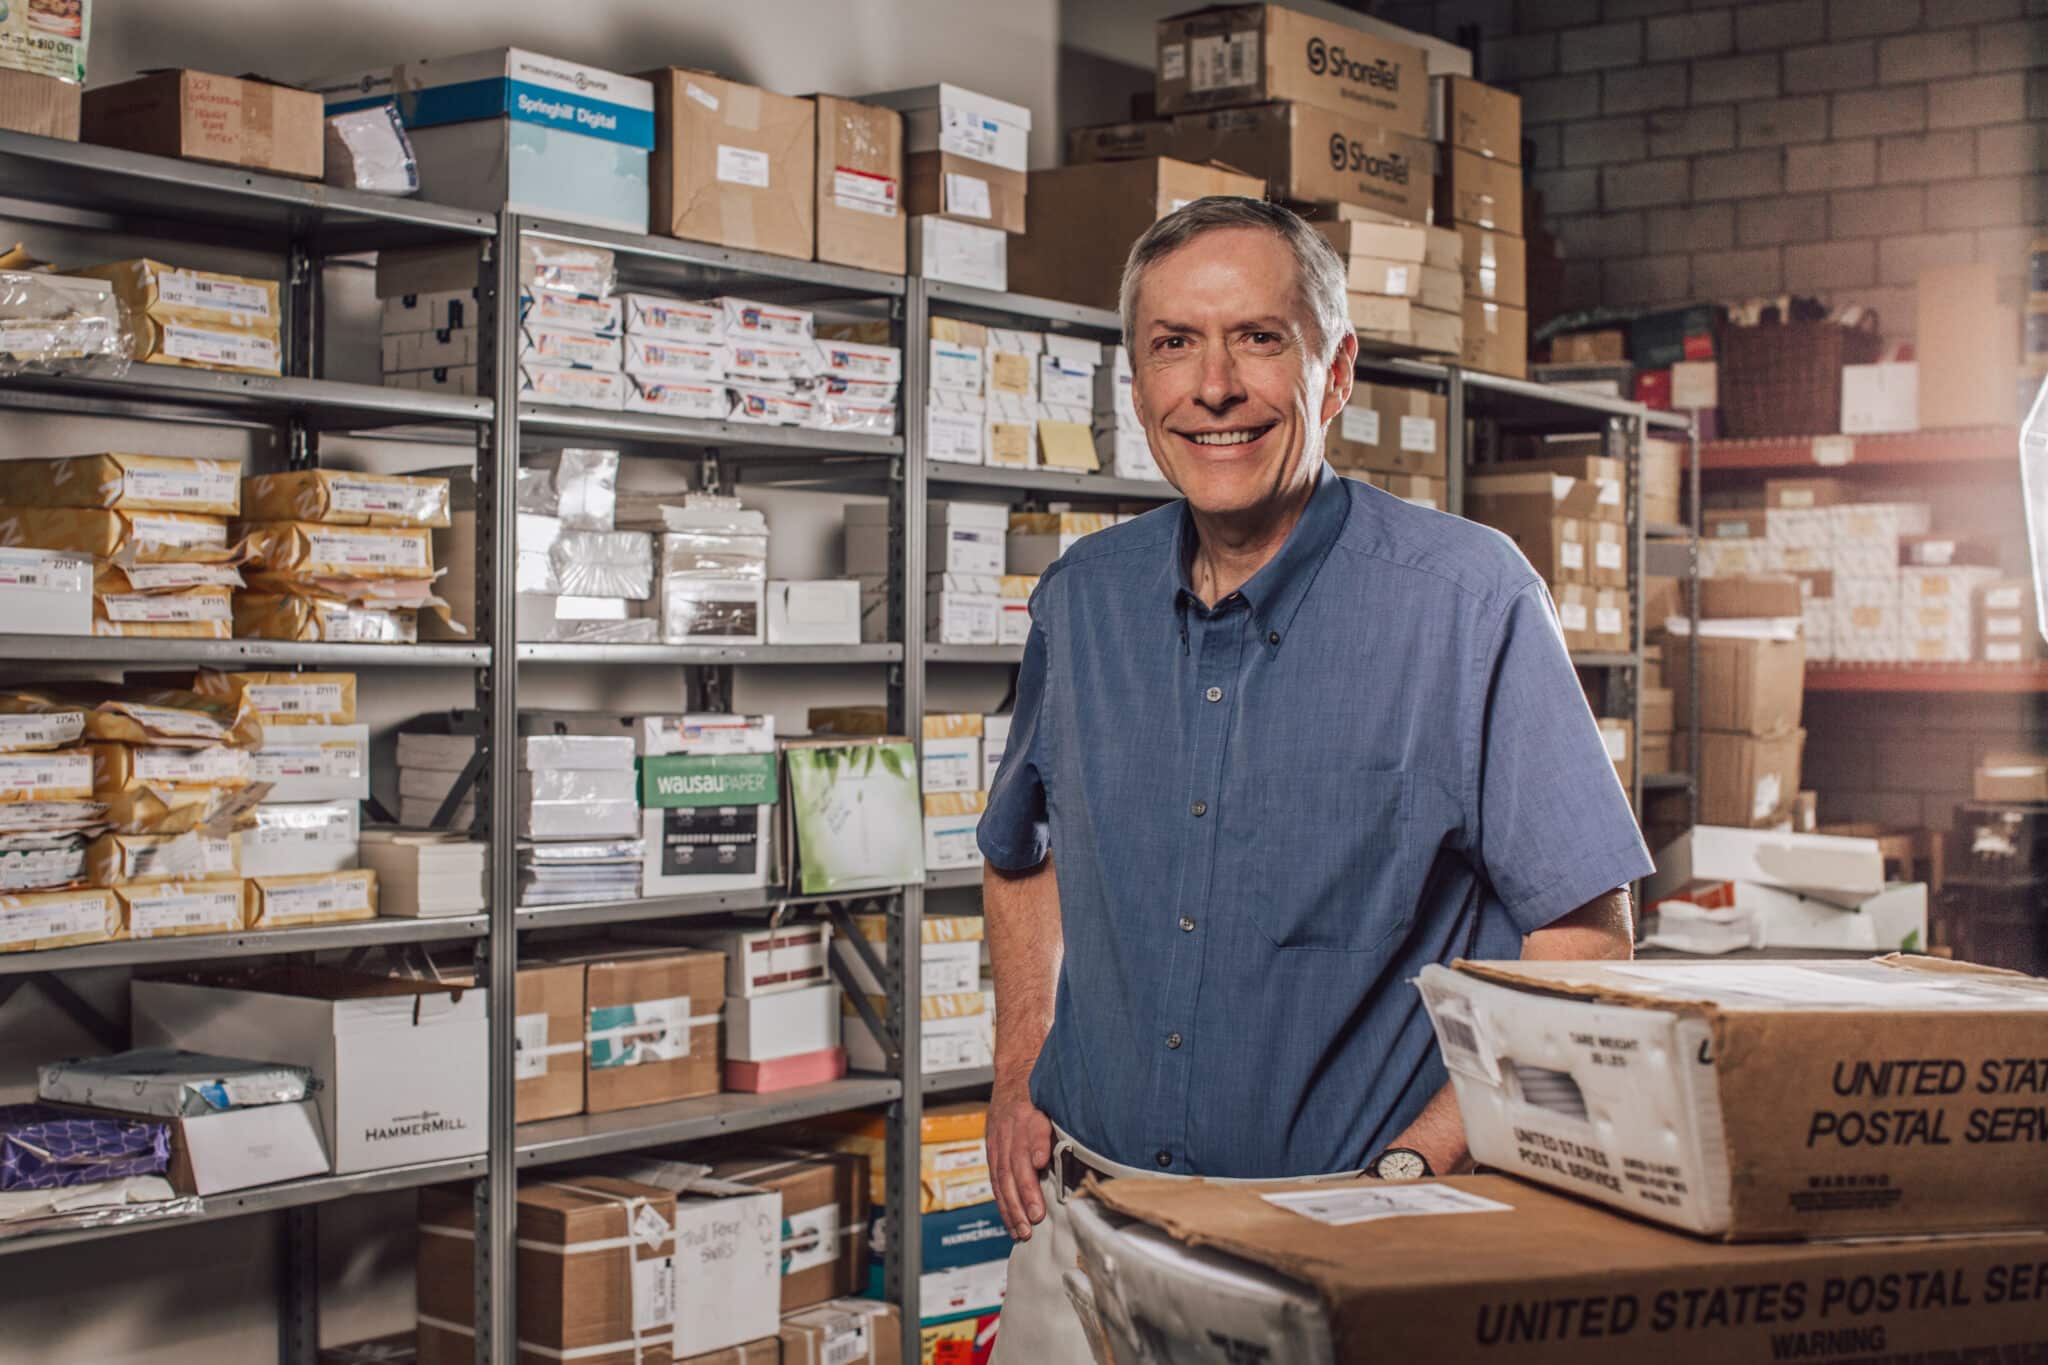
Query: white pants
(1044, 1321)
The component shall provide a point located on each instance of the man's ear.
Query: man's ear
(1343, 371)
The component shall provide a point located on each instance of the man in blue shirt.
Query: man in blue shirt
(1276, 748)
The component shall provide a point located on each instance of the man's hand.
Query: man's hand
(1019, 1146)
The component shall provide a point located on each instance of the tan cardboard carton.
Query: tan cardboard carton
(1748, 686)
(1496, 338)
(860, 217)
(202, 117)
(1119, 141)
(548, 1068)
(1384, 241)
(1608, 479)
(1084, 219)
(1749, 598)
(964, 190)
(1482, 192)
(39, 104)
(1477, 118)
(733, 164)
(1745, 780)
(1303, 152)
(1442, 248)
(1392, 429)
(1230, 55)
(2012, 777)
(824, 1216)
(1968, 344)
(653, 1024)
(1751, 1101)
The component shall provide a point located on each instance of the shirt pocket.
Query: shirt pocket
(1342, 875)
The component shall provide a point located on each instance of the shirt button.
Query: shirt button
(1187, 926)
(1164, 1159)
(1272, 637)
(1173, 1040)
(1199, 809)
(1214, 694)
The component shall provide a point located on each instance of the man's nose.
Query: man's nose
(1220, 386)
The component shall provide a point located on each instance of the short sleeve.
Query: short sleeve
(1555, 828)
(1014, 833)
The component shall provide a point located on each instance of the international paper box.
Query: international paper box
(125, 859)
(1476, 118)
(129, 483)
(1749, 685)
(652, 1028)
(824, 612)
(340, 497)
(547, 1057)
(1806, 1099)
(959, 253)
(1250, 54)
(1082, 217)
(1306, 153)
(860, 214)
(1467, 1270)
(401, 1063)
(1967, 342)
(947, 118)
(843, 1332)
(314, 763)
(58, 919)
(201, 117)
(1744, 779)
(318, 836)
(1496, 338)
(598, 1271)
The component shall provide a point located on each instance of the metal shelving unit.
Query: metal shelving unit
(553, 1141)
(709, 656)
(158, 952)
(238, 653)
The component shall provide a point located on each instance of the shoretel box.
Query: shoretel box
(1748, 1100)
(1229, 55)
(1482, 1269)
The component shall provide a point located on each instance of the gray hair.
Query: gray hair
(1319, 269)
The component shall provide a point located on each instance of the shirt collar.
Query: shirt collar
(1276, 591)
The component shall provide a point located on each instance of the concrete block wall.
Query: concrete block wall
(1716, 150)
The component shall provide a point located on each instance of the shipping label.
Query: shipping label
(24, 773)
(217, 349)
(151, 913)
(847, 1345)
(1419, 434)
(654, 1296)
(352, 550)
(1224, 62)
(376, 498)
(156, 609)
(43, 570)
(295, 699)
(1345, 1204)
(53, 919)
(184, 289)
(1361, 425)
(529, 1047)
(206, 483)
(964, 132)
(46, 730)
(968, 197)
(173, 723)
(743, 166)
(864, 191)
(341, 896)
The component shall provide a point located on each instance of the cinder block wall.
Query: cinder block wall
(1714, 150)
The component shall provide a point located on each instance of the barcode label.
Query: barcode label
(364, 496)
(195, 766)
(355, 551)
(340, 758)
(167, 720)
(162, 577)
(864, 191)
(43, 772)
(148, 530)
(205, 484)
(184, 289)
(56, 919)
(847, 1345)
(1223, 63)
(156, 610)
(217, 348)
(41, 731)
(42, 570)
(295, 699)
(159, 914)
(283, 904)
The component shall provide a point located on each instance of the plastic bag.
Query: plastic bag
(61, 322)
(367, 149)
(605, 564)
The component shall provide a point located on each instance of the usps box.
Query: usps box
(1757, 1100)
(403, 1066)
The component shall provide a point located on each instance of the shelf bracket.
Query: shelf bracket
(298, 1270)
(843, 923)
(76, 1007)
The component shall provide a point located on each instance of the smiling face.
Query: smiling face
(1228, 372)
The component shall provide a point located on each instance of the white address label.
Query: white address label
(294, 699)
(1343, 1205)
(183, 289)
(368, 552)
(206, 483)
(743, 166)
(1361, 425)
(149, 915)
(285, 904)
(218, 348)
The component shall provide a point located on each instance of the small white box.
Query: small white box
(817, 612)
(1892, 921)
(319, 836)
(949, 839)
(959, 618)
(1880, 398)
(422, 875)
(314, 763)
(1839, 868)
(959, 1032)
(794, 957)
(949, 118)
(959, 253)
(403, 1072)
(45, 592)
(943, 968)
(956, 371)
(709, 611)
(955, 436)
(1081, 352)
(952, 764)
(761, 1028)
(960, 537)
(238, 1149)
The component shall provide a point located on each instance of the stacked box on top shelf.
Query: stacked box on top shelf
(47, 822)
(733, 164)
(965, 187)
(1479, 192)
(156, 530)
(196, 318)
(338, 555)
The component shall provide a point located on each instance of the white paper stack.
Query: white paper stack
(571, 345)
(711, 571)
(425, 874)
(1936, 622)
(770, 357)
(856, 386)
(964, 552)
(578, 578)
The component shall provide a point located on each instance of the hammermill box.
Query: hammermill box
(1747, 1101)
(1486, 1269)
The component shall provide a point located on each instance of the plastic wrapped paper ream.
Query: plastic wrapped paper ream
(367, 150)
(121, 859)
(191, 614)
(200, 298)
(770, 407)
(285, 698)
(858, 360)
(711, 611)
(52, 319)
(573, 388)
(769, 362)
(585, 487)
(268, 616)
(342, 498)
(557, 348)
(63, 775)
(32, 860)
(852, 415)
(129, 537)
(205, 348)
(650, 315)
(318, 836)
(556, 311)
(165, 1083)
(58, 919)
(567, 267)
(604, 564)
(313, 898)
(691, 361)
(708, 402)
(762, 321)
(118, 768)
(130, 483)
(304, 550)
(173, 909)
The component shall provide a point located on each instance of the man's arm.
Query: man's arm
(1024, 947)
(1601, 928)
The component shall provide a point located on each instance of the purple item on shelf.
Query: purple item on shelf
(46, 1148)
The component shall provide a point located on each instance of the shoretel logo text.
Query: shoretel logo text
(414, 1126)
(1324, 60)
(1346, 155)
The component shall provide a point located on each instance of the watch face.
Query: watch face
(1400, 1164)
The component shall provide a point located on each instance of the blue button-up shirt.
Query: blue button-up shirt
(1269, 815)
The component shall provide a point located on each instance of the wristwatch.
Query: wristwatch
(1399, 1163)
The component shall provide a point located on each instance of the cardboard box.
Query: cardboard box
(1319, 1273)
(652, 1023)
(1607, 478)
(1303, 152)
(597, 1270)
(1476, 118)
(843, 1332)
(1798, 493)
(964, 190)
(1749, 685)
(2011, 777)
(1967, 341)
(860, 214)
(312, 898)
(1496, 338)
(1495, 267)
(1119, 141)
(1744, 779)
(1750, 598)
(1882, 1103)
(44, 105)
(1479, 191)
(1880, 398)
(1844, 869)
(1250, 54)
(1892, 921)
(1383, 241)
(1391, 429)
(547, 1062)
(733, 164)
(820, 612)
(401, 1064)
(1613, 623)
(229, 122)
(947, 118)
(824, 1214)
(1084, 218)
(1608, 346)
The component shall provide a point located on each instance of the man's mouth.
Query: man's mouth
(1236, 437)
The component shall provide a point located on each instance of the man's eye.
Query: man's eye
(1170, 343)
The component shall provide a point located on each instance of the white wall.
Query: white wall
(202, 1295)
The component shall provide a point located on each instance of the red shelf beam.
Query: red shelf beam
(1977, 447)
(2004, 678)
